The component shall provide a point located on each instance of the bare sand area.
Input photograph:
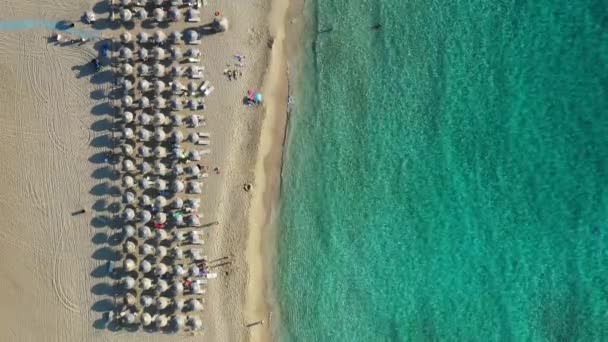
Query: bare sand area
(55, 128)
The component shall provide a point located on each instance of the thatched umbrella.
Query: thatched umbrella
(144, 135)
(177, 103)
(129, 197)
(220, 24)
(158, 70)
(176, 53)
(177, 87)
(145, 183)
(179, 303)
(128, 165)
(147, 301)
(191, 36)
(125, 37)
(159, 36)
(161, 217)
(128, 282)
(145, 201)
(145, 216)
(194, 53)
(176, 37)
(128, 182)
(195, 323)
(158, 53)
(146, 319)
(142, 14)
(145, 266)
(128, 230)
(147, 249)
(143, 55)
(145, 232)
(161, 251)
(129, 247)
(143, 37)
(125, 52)
(143, 70)
(160, 185)
(178, 186)
(161, 321)
(144, 102)
(160, 269)
(125, 15)
(195, 187)
(174, 14)
(177, 136)
(159, 14)
(146, 283)
(195, 305)
(159, 119)
(159, 87)
(193, 104)
(144, 119)
(145, 167)
(159, 134)
(129, 264)
(179, 321)
(193, 220)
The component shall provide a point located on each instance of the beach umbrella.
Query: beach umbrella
(177, 170)
(176, 53)
(144, 85)
(196, 288)
(220, 24)
(174, 14)
(176, 87)
(194, 155)
(146, 283)
(143, 70)
(128, 182)
(143, 55)
(193, 104)
(126, 15)
(128, 165)
(161, 251)
(191, 87)
(194, 120)
(145, 216)
(162, 302)
(176, 103)
(180, 237)
(144, 134)
(193, 137)
(191, 36)
(126, 69)
(145, 201)
(159, 134)
(129, 318)
(90, 17)
(125, 37)
(192, 14)
(143, 37)
(125, 2)
(160, 185)
(160, 201)
(158, 70)
(128, 282)
(194, 170)
(194, 53)
(194, 270)
(159, 86)
(144, 102)
(178, 219)
(161, 321)
(195, 305)
(159, 14)
(128, 230)
(145, 167)
(177, 71)
(128, 214)
(178, 203)
(257, 98)
(193, 220)
(127, 117)
(161, 217)
(194, 203)
(196, 237)
(129, 265)
(145, 232)
(194, 187)
(130, 299)
(146, 319)
(126, 86)
(179, 304)
(179, 269)
(178, 153)
(195, 323)
(147, 301)
(145, 266)
(159, 36)
(142, 14)
(127, 101)
(160, 269)
(129, 197)
(178, 287)
(159, 168)
(178, 253)
(144, 119)
(159, 102)
(179, 321)
(159, 119)
(144, 151)
(177, 186)
(147, 249)
(158, 53)
(125, 52)
(129, 247)
(145, 183)
(175, 37)
(197, 254)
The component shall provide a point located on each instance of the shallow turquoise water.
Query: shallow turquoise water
(446, 176)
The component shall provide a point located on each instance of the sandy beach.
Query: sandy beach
(57, 125)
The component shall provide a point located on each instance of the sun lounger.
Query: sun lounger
(204, 86)
(195, 42)
(211, 275)
(208, 91)
(205, 151)
(196, 72)
(194, 60)
(205, 142)
(203, 175)
(203, 135)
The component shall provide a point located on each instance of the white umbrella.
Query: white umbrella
(178, 203)
(144, 85)
(159, 102)
(130, 299)
(175, 37)
(126, 15)
(178, 220)
(127, 101)
(177, 71)
(125, 52)
(194, 120)
(129, 265)
(146, 201)
(145, 232)
(130, 318)
(128, 230)
(160, 185)
(174, 14)
(144, 134)
(194, 170)
(176, 103)
(194, 155)
(161, 217)
(191, 36)
(192, 13)
(194, 53)
(145, 266)
(196, 238)
(129, 197)
(144, 102)
(147, 249)
(193, 221)
(176, 53)
(125, 37)
(145, 183)
(142, 37)
(195, 323)
(125, 3)
(196, 288)
(179, 321)
(128, 182)
(160, 201)
(193, 104)
(129, 282)
(179, 269)
(159, 119)
(144, 119)
(179, 303)
(193, 137)
(158, 70)
(176, 87)
(159, 134)
(159, 168)
(194, 270)
(145, 167)
(178, 287)
(143, 54)
(176, 119)
(158, 53)
(143, 69)
(159, 14)
(159, 87)
(142, 14)
(197, 254)
(160, 269)
(194, 203)
(178, 253)
(177, 136)
(161, 321)
(147, 301)
(195, 305)
(177, 170)
(220, 24)
(127, 133)
(178, 186)
(159, 36)
(158, 2)
(146, 283)
(146, 319)
(130, 247)
(161, 251)
(145, 216)
(128, 165)
(144, 151)
(126, 85)
(162, 302)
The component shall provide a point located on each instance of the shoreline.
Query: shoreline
(261, 247)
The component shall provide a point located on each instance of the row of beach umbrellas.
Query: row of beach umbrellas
(159, 15)
(190, 36)
(158, 53)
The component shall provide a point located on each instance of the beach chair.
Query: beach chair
(205, 151)
(196, 72)
(204, 142)
(208, 91)
(203, 86)
(204, 135)
(211, 275)
(195, 42)
(194, 60)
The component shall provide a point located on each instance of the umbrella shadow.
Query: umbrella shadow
(100, 205)
(98, 94)
(102, 109)
(101, 221)
(103, 305)
(102, 77)
(99, 158)
(105, 253)
(100, 238)
(102, 141)
(102, 125)
(103, 289)
(84, 70)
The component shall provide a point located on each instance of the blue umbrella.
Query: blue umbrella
(258, 98)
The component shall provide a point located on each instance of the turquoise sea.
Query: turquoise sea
(446, 174)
